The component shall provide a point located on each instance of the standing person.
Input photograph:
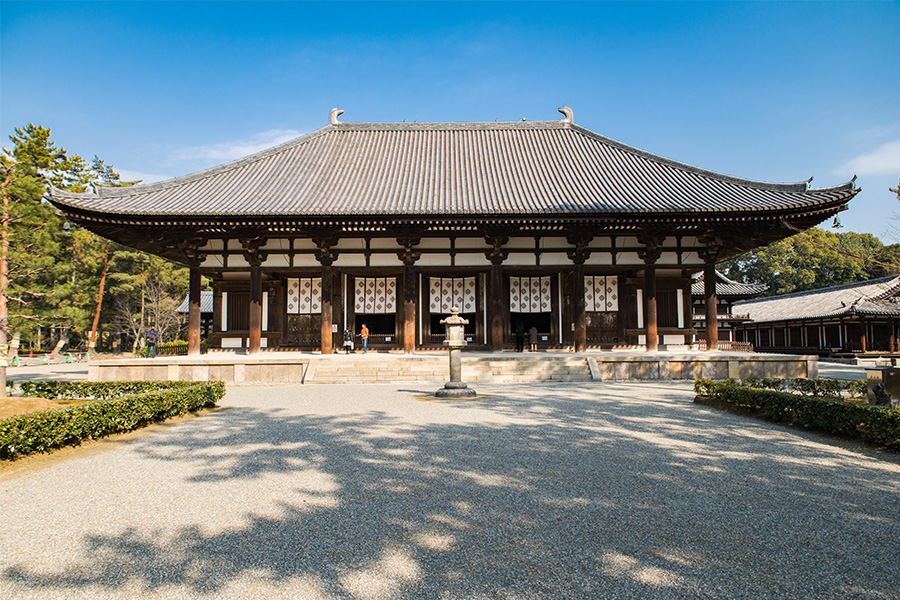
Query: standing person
(532, 338)
(364, 336)
(348, 340)
(152, 339)
(520, 337)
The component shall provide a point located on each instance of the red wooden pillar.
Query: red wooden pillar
(407, 241)
(326, 257)
(712, 318)
(579, 305)
(650, 314)
(497, 255)
(650, 254)
(409, 309)
(327, 294)
(496, 313)
(255, 308)
(194, 311)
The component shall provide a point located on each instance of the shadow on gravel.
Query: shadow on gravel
(554, 494)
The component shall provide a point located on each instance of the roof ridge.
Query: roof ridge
(833, 288)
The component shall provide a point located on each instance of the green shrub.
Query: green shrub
(878, 425)
(117, 410)
(820, 388)
(54, 390)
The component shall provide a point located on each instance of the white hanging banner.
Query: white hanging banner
(434, 295)
(601, 294)
(468, 303)
(375, 295)
(529, 294)
(447, 292)
(612, 293)
(304, 296)
(515, 294)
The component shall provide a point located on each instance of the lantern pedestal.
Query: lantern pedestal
(456, 341)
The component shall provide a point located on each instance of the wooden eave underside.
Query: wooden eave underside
(737, 231)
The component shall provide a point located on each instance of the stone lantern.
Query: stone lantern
(455, 341)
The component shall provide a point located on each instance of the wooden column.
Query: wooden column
(409, 309)
(496, 312)
(194, 311)
(712, 301)
(496, 256)
(327, 293)
(650, 314)
(255, 257)
(580, 320)
(255, 308)
(326, 257)
(862, 334)
(650, 254)
(409, 257)
(578, 255)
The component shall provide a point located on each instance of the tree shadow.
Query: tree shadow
(556, 492)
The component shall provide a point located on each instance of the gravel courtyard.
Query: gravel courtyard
(532, 491)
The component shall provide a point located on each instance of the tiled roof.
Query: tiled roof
(516, 168)
(727, 287)
(872, 297)
(206, 303)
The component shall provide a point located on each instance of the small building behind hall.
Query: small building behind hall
(543, 224)
(206, 312)
(852, 319)
(728, 292)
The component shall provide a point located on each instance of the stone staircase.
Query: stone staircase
(519, 368)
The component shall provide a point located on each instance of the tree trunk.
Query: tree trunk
(92, 341)
(4, 283)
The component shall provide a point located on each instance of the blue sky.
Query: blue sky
(766, 90)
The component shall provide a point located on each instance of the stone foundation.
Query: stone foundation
(219, 367)
(499, 368)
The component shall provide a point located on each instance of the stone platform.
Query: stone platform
(504, 367)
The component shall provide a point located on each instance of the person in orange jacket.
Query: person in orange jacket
(364, 336)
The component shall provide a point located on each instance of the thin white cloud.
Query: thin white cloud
(214, 154)
(883, 161)
(127, 175)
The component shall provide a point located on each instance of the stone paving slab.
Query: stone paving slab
(552, 491)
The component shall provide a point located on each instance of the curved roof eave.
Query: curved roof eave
(624, 201)
(821, 211)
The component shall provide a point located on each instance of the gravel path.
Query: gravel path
(533, 491)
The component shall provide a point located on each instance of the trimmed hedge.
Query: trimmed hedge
(121, 406)
(820, 388)
(99, 390)
(878, 425)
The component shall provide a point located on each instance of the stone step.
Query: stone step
(524, 369)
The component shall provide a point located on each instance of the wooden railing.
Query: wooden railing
(727, 346)
(179, 348)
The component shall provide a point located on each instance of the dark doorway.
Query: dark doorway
(377, 324)
(437, 328)
(540, 320)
